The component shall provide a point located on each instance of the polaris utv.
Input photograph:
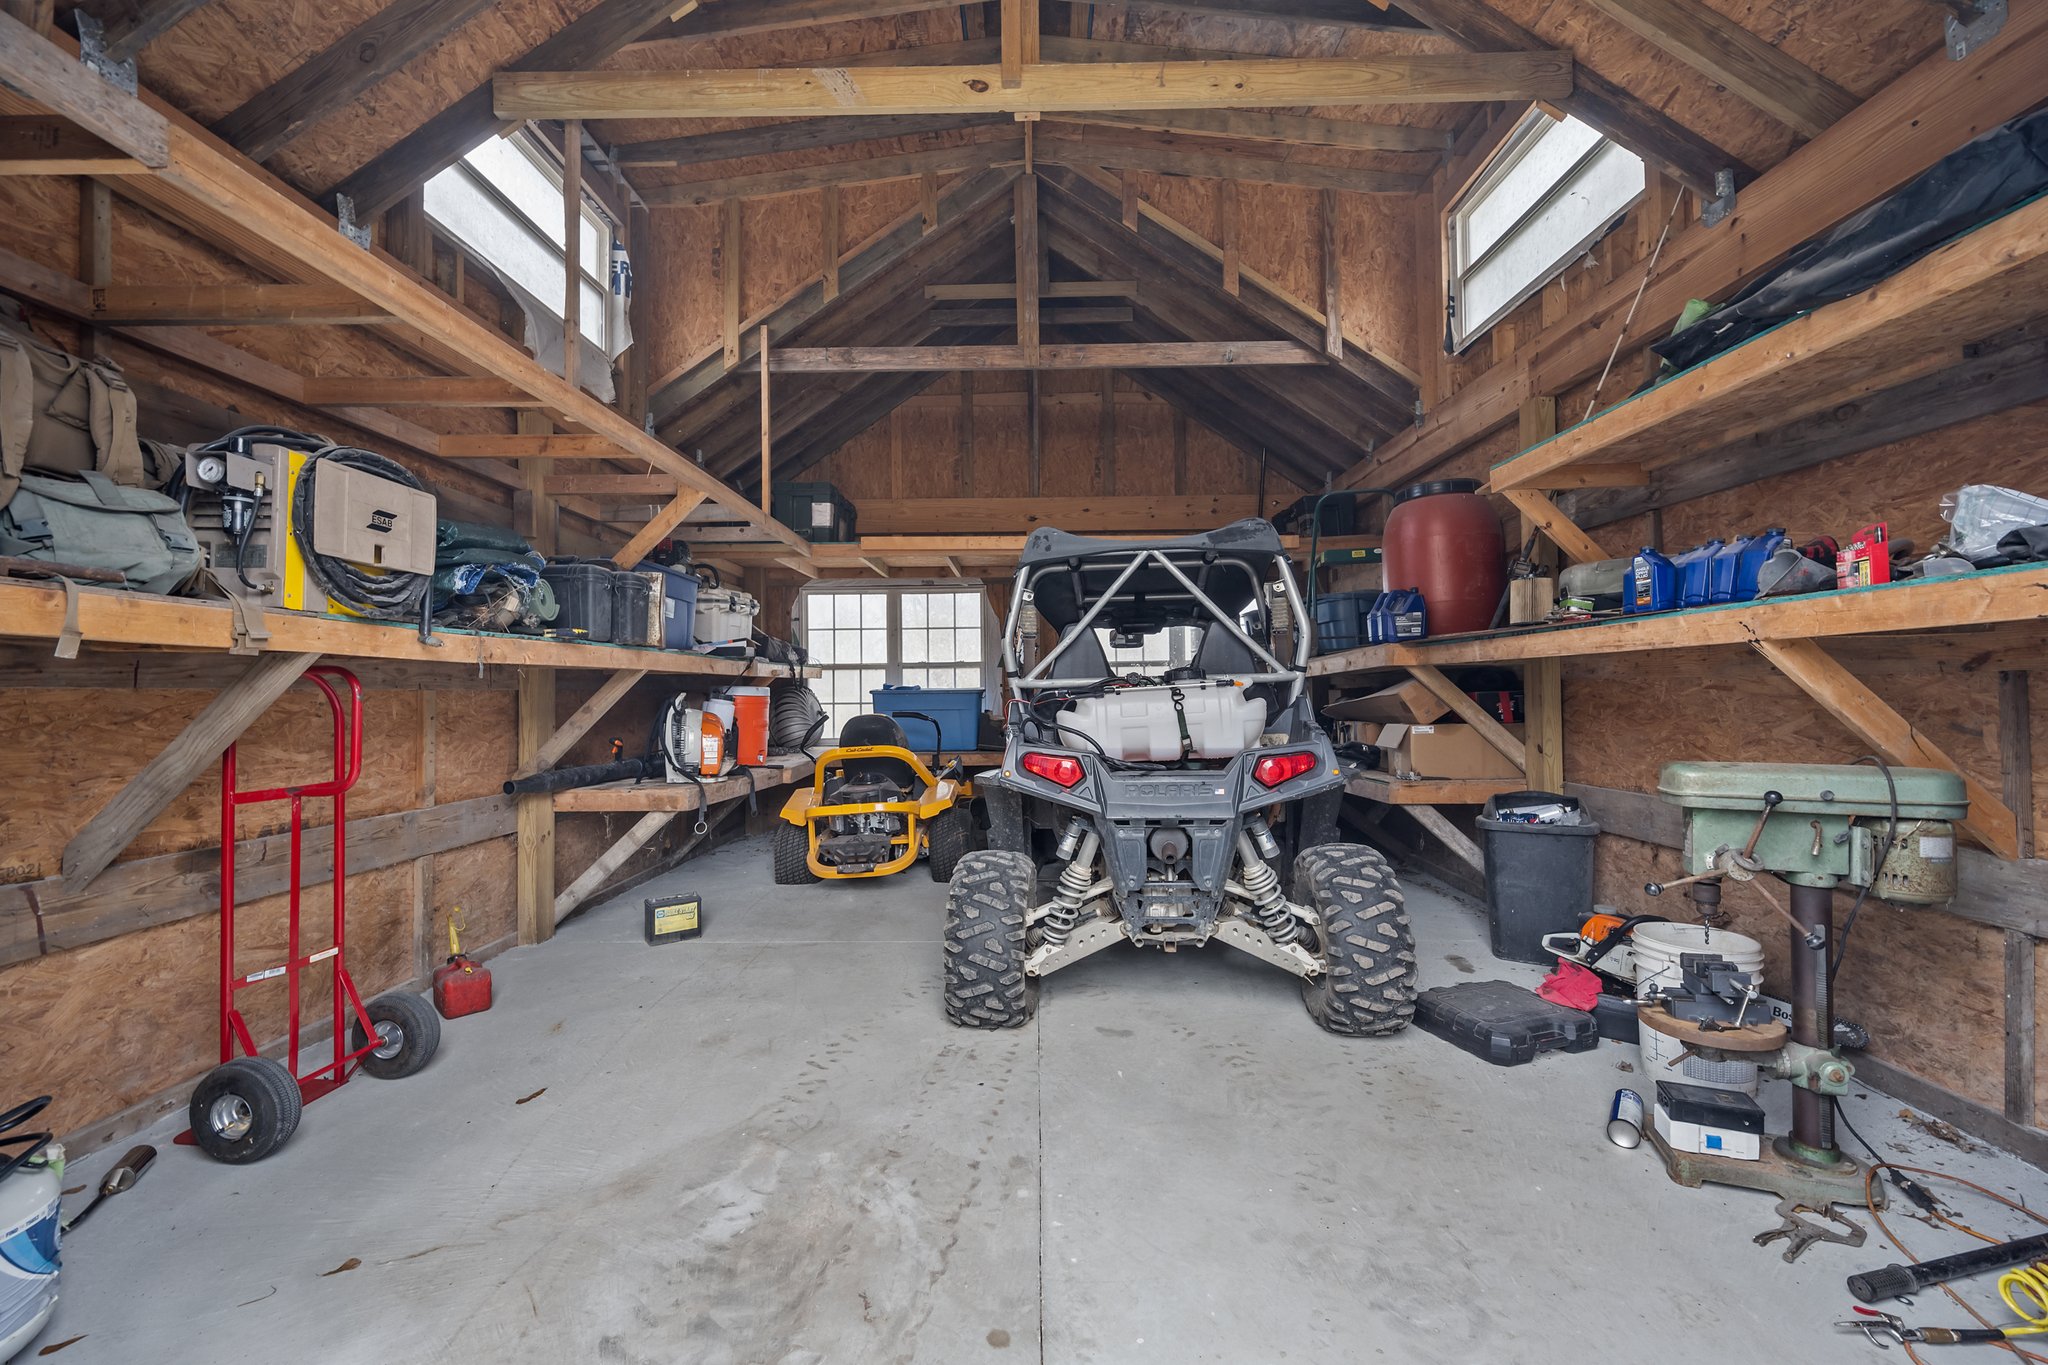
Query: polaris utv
(1165, 776)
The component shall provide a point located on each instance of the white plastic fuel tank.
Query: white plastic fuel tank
(1139, 723)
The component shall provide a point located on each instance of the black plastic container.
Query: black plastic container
(633, 609)
(583, 598)
(1616, 1017)
(1539, 878)
(1502, 1023)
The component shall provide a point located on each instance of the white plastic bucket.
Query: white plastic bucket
(1657, 950)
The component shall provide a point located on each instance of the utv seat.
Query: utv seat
(1223, 655)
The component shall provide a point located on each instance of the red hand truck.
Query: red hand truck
(249, 1105)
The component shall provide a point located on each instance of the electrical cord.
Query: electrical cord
(390, 596)
(2030, 1282)
(1891, 832)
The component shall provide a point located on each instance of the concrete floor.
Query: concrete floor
(767, 1146)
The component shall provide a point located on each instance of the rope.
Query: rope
(1634, 303)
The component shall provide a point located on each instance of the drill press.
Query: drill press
(1816, 827)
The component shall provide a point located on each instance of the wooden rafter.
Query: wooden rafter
(53, 146)
(229, 305)
(146, 21)
(1247, 125)
(1073, 145)
(332, 80)
(1595, 100)
(1045, 356)
(1725, 52)
(796, 136)
(864, 170)
(1043, 88)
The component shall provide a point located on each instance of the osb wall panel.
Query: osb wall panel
(104, 1026)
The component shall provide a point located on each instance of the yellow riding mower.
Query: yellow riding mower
(872, 808)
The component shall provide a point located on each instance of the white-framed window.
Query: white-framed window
(1549, 192)
(1168, 647)
(503, 201)
(863, 636)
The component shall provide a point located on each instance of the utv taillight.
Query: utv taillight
(1274, 769)
(1053, 768)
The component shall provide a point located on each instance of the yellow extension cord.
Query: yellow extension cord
(2028, 1285)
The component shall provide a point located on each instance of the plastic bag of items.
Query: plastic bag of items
(1983, 517)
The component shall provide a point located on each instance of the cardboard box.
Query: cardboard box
(1444, 749)
(1406, 702)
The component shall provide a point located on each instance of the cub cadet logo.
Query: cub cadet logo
(381, 521)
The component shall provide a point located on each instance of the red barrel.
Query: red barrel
(1443, 538)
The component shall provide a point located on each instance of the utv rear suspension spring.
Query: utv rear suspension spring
(1269, 909)
(1077, 879)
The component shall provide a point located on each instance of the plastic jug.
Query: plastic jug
(1721, 569)
(1759, 549)
(1695, 568)
(1399, 614)
(1652, 583)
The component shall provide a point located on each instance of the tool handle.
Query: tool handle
(1875, 1286)
(1961, 1336)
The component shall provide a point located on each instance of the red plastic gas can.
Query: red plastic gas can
(460, 985)
(1445, 539)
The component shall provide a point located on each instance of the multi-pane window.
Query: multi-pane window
(1546, 196)
(503, 201)
(862, 638)
(1171, 647)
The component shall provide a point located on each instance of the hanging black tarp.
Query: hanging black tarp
(1976, 182)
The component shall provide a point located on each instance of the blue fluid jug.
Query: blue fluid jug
(1759, 549)
(1399, 615)
(1652, 584)
(1695, 568)
(1722, 569)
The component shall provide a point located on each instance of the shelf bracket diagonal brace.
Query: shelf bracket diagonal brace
(1872, 720)
(578, 725)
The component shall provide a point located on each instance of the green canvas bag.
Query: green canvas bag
(87, 519)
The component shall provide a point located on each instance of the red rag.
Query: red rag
(1572, 986)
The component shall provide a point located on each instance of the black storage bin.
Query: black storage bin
(632, 609)
(583, 597)
(816, 511)
(1539, 878)
(1503, 1023)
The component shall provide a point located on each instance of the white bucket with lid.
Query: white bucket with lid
(1658, 946)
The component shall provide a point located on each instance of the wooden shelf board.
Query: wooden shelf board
(126, 620)
(1917, 321)
(1430, 791)
(668, 796)
(2019, 593)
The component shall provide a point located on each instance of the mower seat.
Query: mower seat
(877, 777)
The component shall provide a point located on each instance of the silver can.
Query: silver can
(1625, 1119)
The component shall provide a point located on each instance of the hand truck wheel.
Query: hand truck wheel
(410, 1031)
(245, 1109)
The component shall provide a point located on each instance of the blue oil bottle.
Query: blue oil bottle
(1754, 553)
(1695, 569)
(1399, 615)
(1652, 584)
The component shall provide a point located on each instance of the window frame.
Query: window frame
(538, 152)
(1529, 131)
(893, 592)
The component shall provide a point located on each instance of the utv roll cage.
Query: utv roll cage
(1078, 583)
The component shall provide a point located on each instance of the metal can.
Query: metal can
(1625, 1119)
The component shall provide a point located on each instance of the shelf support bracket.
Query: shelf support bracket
(220, 724)
(577, 726)
(1818, 674)
(1562, 531)
(1472, 713)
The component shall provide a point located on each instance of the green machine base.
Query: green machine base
(1778, 1171)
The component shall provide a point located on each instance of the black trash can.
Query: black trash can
(1539, 877)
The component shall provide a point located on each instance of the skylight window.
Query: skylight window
(1546, 195)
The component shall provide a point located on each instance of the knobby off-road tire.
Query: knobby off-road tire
(1368, 983)
(985, 982)
(793, 855)
(949, 837)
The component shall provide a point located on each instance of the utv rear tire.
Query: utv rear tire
(1368, 983)
(793, 855)
(985, 911)
(949, 837)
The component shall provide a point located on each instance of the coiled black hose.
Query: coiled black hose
(388, 596)
(795, 719)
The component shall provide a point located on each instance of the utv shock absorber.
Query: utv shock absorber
(1262, 888)
(1077, 878)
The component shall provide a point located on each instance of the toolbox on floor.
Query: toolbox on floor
(1503, 1023)
(815, 511)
